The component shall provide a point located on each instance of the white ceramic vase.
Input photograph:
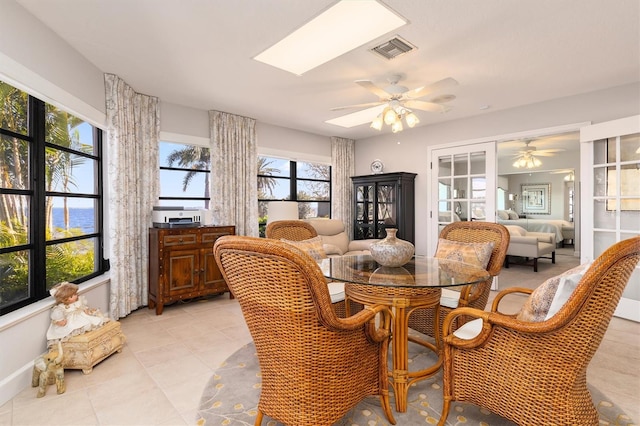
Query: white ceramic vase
(392, 251)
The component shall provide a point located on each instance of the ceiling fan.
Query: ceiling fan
(400, 101)
(528, 156)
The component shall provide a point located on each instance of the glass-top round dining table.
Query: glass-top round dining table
(417, 284)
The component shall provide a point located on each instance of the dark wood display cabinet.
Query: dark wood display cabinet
(182, 265)
(384, 200)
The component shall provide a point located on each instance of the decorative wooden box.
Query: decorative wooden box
(86, 350)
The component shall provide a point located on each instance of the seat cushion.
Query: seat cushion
(538, 305)
(313, 246)
(336, 291)
(473, 253)
(449, 298)
(469, 330)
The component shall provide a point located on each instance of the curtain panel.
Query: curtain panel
(342, 168)
(234, 172)
(133, 129)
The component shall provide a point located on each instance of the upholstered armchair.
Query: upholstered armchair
(476, 295)
(315, 366)
(532, 369)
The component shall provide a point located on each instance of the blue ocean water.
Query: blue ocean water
(78, 218)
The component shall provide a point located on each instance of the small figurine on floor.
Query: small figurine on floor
(47, 370)
(71, 316)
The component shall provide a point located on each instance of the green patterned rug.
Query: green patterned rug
(231, 397)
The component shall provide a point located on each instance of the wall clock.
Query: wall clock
(377, 166)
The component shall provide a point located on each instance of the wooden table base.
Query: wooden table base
(401, 301)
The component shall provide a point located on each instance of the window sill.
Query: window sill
(12, 318)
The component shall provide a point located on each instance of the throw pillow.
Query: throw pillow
(513, 215)
(568, 284)
(503, 215)
(474, 253)
(313, 246)
(538, 305)
(330, 249)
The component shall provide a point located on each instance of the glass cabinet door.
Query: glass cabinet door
(364, 212)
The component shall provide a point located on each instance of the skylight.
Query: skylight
(357, 118)
(341, 28)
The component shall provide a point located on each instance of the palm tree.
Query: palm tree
(14, 154)
(195, 158)
(265, 183)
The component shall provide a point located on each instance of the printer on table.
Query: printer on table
(176, 217)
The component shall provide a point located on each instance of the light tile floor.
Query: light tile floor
(168, 359)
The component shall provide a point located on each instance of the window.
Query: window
(51, 218)
(184, 175)
(307, 183)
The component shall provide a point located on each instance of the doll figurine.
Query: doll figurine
(71, 316)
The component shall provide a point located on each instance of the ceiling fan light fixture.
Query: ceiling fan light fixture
(411, 119)
(390, 116)
(377, 123)
(527, 161)
(397, 126)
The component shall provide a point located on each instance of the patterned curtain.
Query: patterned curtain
(234, 172)
(342, 168)
(133, 129)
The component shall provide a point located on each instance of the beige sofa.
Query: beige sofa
(335, 240)
(530, 245)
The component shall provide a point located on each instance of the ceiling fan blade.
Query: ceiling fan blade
(367, 105)
(426, 106)
(552, 150)
(425, 90)
(382, 94)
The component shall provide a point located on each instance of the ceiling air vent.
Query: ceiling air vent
(393, 48)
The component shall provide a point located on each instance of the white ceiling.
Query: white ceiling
(503, 53)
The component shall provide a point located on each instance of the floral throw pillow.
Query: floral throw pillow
(313, 246)
(473, 253)
(537, 306)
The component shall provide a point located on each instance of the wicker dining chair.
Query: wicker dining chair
(315, 366)
(534, 373)
(294, 230)
(477, 295)
(298, 230)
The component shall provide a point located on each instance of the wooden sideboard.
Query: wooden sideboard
(182, 265)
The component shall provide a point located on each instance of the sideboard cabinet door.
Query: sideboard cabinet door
(182, 265)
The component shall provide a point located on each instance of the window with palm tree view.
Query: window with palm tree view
(184, 181)
(184, 175)
(307, 183)
(50, 198)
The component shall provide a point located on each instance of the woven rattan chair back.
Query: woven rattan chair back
(293, 230)
(475, 296)
(534, 373)
(315, 366)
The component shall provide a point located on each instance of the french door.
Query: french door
(610, 157)
(462, 187)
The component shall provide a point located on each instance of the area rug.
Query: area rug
(231, 398)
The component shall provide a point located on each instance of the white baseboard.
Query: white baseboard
(16, 383)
